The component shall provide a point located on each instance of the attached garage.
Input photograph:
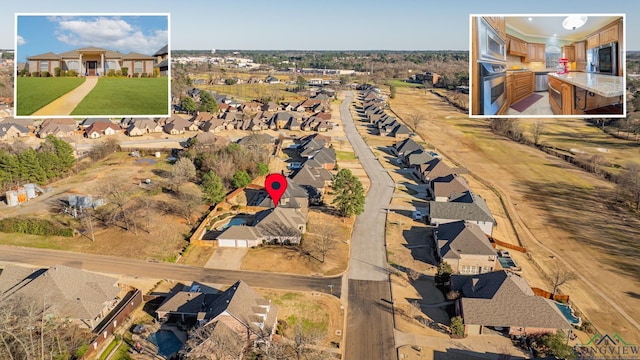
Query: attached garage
(239, 236)
(474, 329)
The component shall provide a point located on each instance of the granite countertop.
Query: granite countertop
(604, 85)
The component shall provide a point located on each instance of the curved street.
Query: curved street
(369, 333)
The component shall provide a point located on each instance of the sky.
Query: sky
(320, 25)
(39, 34)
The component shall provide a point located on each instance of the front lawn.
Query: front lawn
(33, 92)
(125, 96)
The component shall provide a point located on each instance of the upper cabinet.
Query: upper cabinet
(606, 35)
(517, 47)
(580, 50)
(498, 24)
(569, 52)
(535, 53)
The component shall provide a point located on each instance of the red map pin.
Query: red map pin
(275, 184)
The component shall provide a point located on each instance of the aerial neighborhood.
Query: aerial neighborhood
(307, 205)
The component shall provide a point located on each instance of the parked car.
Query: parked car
(417, 215)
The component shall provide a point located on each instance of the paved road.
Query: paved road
(179, 272)
(369, 314)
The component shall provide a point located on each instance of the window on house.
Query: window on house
(72, 65)
(111, 65)
(44, 66)
(137, 67)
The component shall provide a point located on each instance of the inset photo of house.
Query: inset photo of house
(556, 65)
(92, 65)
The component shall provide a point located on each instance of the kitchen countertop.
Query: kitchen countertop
(604, 85)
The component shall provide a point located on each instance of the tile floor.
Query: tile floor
(540, 107)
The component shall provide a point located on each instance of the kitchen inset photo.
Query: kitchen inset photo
(547, 65)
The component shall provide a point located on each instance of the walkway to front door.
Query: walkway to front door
(65, 104)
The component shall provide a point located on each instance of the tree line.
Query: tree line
(52, 160)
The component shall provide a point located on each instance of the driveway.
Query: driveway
(227, 258)
(65, 104)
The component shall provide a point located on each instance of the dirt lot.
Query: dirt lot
(311, 309)
(554, 205)
(112, 240)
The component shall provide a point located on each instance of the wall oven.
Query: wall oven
(491, 46)
(603, 59)
(493, 87)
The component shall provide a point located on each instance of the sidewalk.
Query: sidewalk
(65, 104)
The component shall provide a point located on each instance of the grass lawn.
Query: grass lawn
(402, 83)
(34, 93)
(345, 155)
(253, 91)
(124, 96)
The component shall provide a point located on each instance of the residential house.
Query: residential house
(100, 128)
(141, 126)
(25, 122)
(405, 147)
(401, 131)
(202, 116)
(270, 107)
(89, 121)
(9, 130)
(312, 179)
(178, 125)
(271, 80)
(209, 139)
(58, 127)
(90, 61)
(64, 292)
(280, 225)
(503, 300)
(295, 197)
(311, 144)
(441, 188)
(251, 107)
(466, 206)
(265, 140)
(239, 318)
(162, 60)
(214, 125)
(465, 247)
(415, 159)
(432, 169)
(324, 158)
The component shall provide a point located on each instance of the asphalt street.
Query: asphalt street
(369, 332)
(159, 270)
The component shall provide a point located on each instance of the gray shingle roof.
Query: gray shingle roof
(459, 238)
(240, 232)
(406, 146)
(417, 157)
(504, 299)
(456, 210)
(445, 186)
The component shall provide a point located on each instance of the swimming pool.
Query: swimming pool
(166, 341)
(568, 314)
(506, 262)
(237, 220)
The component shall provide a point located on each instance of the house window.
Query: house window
(72, 65)
(111, 65)
(44, 65)
(137, 67)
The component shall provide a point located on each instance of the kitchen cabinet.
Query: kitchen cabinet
(555, 95)
(523, 85)
(580, 50)
(517, 47)
(569, 52)
(498, 24)
(509, 89)
(535, 53)
(609, 34)
(582, 94)
(593, 41)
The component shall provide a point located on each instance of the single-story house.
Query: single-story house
(465, 247)
(312, 177)
(100, 128)
(443, 187)
(405, 147)
(58, 127)
(12, 130)
(141, 126)
(80, 296)
(90, 61)
(465, 206)
(432, 169)
(275, 225)
(504, 300)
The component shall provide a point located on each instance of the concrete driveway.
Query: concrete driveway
(226, 258)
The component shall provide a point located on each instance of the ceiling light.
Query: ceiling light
(573, 22)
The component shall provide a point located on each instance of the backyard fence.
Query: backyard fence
(547, 295)
(507, 245)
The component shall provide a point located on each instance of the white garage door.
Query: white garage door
(241, 243)
(226, 243)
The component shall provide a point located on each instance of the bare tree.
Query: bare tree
(559, 277)
(629, 184)
(119, 196)
(325, 242)
(304, 339)
(537, 129)
(416, 119)
(87, 222)
(213, 340)
(187, 203)
(183, 170)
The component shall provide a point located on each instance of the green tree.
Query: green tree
(240, 179)
(262, 168)
(212, 188)
(457, 326)
(31, 169)
(207, 102)
(188, 105)
(443, 274)
(349, 193)
(556, 345)
(301, 82)
(230, 81)
(9, 169)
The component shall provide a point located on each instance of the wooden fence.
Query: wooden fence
(116, 317)
(547, 295)
(507, 245)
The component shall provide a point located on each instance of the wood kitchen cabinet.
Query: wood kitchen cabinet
(498, 24)
(569, 52)
(535, 53)
(593, 41)
(580, 50)
(609, 34)
(522, 85)
(509, 89)
(517, 47)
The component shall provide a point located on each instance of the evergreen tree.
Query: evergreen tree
(349, 193)
(443, 274)
(262, 168)
(207, 102)
(31, 170)
(9, 169)
(188, 105)
(240, 179)
(212, 190)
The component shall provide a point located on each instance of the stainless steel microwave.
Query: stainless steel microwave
(492, 48)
